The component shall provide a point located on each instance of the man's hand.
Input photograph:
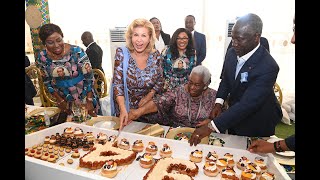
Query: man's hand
(198, 134)
(216, 111)
(261, 146)
(204, 122)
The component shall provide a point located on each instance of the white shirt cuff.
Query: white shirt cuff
(214, 126)
(220, 101)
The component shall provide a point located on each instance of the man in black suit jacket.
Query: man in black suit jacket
(93, 50)
(248, 79)
(199, 39)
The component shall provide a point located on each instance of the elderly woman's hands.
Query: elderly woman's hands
(123, 118)
(134, 114)
(146, 99)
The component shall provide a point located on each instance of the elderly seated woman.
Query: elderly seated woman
(186, 105)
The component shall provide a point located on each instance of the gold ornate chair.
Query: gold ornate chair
(100, 83)
(278, 92)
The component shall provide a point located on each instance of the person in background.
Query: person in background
(180, 49)
(163, 39)
(30, 90)
(144, 73)
(93, 50)
(289, 143)
(199, 39)
(248, 80)
(186, 105)
(76, 86)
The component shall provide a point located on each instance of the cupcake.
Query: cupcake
(89, 136)
(230, 159)
(267, 176)
(222, 163)
(146, 161)
(255, 168)
(124, 144)
(228, 173)
(137, 146)
(165, 151)
(260, 162)
(47, 139)
(78, 132)
(243, 163)
(212, 156)
(152, 148)
(68, 132)
(196, 156)
(210, 169)
(109, 169)
(101, 137)
(248, 174)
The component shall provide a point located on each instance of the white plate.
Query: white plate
(285, 153)
(105, 124)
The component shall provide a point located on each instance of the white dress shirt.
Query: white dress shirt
(159, 44)
(240, 63)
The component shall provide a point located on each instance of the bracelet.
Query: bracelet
(60, 102)
(277, 146)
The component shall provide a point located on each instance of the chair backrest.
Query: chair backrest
(277, 92)
(100, 83)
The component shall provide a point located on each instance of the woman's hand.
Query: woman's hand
(146, 99)
(123, 118)
(91, 109)
(134, 114)
(204, 122)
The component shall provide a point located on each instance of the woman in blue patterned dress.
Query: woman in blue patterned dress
(64, 73)
(180, 50)
(137, 71)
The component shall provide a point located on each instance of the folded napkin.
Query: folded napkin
(154, 130)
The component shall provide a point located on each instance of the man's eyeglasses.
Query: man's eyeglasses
(182, 39)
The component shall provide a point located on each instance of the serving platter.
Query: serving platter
(107, 122)
(184, 130)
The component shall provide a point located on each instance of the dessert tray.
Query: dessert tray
(37, 169)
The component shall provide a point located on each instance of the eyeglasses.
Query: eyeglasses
(182, 39)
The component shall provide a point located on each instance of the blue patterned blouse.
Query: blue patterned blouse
(176, 71)
(71, 76)
(139, 81)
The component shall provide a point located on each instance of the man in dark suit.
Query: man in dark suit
(199, 39)
(250, 73)
(263, 41)
(93, 50)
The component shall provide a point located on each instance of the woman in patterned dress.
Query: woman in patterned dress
(63, 71)
(185, 105)
(180, 50)
(144, 73)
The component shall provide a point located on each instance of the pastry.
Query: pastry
(124, 144)
(46, 140)
(89, 136)
(109, 169)
(210, 169)
(146, 161)
(255, 168)
(52, 140)
(75, 154)
(222, 163)
(45, 156)
(261, 163)
(38, 154)
(31, 152)
(267, 176)
(68, 132)
(172, 168)
(99, 154)
(165, 151)
(230, 159)
(61, 153)
(243, 163)
(26, 151)
(51, 158)
(68, 150)
(228, 173)
(248, 174)
(39, 148)
(61, 164)
(78, 132)
(212, 156)
(137, 146)
(102, 137)
(152, 148)
(196, 156)
(69, 161)
(112, 138)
